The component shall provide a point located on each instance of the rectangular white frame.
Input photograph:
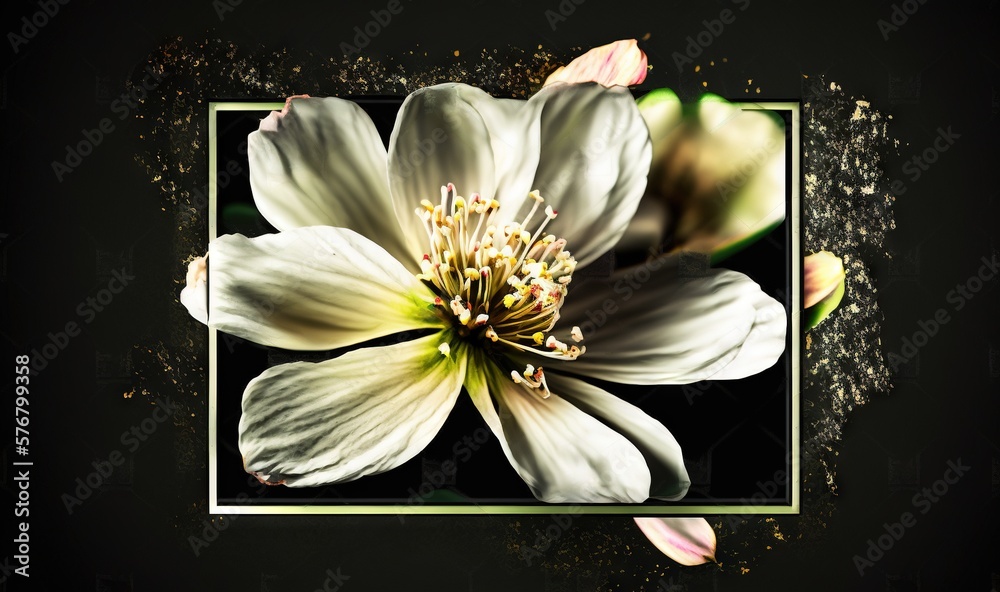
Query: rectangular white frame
(597, 509)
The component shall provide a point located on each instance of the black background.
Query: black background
(55, 236)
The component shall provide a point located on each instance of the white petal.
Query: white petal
(312, 288)
(765, 343)
(595, 158)
(322, 163)
(672, 322)
(479, 127)
(688, 541)
(363, 413)
(439, 138)
(516, 144)
(194, 296)
(583, 146)
(561, 452)
(658, 446)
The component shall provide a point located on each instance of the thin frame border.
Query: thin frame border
(473, 509)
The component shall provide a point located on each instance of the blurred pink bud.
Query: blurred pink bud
(823, 286)
(620, 63)
(688, 541)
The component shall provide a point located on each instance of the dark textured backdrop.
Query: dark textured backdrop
(72, 236)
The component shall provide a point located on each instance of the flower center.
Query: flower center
(499, 283)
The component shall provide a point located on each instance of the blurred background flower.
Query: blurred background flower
(717, 179)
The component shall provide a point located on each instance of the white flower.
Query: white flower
(466, 226)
